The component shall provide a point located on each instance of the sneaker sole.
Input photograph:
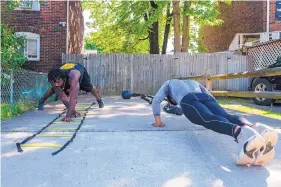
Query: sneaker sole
(267, 153)
(264, 158)
(251, 146)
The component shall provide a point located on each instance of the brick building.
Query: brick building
(48, 31)
(241, 17)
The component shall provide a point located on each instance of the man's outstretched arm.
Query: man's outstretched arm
(73, 93)
(158, 98)
(61, 96)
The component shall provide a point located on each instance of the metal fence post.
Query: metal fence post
(12, 87)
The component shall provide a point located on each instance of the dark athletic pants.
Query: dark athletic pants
(203, 109)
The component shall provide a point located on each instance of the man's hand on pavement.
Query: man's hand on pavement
(161, 124)
(66, 119)
(76, 114)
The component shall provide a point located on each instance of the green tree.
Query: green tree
(11, 44)
(127, 26)
(92, 46)
(202, 13)
(144, 26)
(10, 5)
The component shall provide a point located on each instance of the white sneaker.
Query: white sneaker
(249, 143)
(270, 136)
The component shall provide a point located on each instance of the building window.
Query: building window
(31, 46)
(29, 5)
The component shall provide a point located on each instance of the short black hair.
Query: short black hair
(55, 74)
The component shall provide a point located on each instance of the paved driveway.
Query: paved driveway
(117, 147)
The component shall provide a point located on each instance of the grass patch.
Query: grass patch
(250, 110)
(8, 111)
(236, 100)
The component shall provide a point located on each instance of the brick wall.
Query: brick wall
(274, 25)
(239, 17)
(76, 28)
(52, 35)
(45, 23)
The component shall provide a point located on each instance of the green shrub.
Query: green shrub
(11, 45)
(8, 111)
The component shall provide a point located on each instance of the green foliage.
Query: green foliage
(121, 27)
(8, 111)
(11, 5)
(203, 13)
(5, 79)
(92, 46)
(11, 45)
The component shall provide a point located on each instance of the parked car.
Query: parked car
(266, 84)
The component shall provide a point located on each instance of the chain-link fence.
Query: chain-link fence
(22, 86)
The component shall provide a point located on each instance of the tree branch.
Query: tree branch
(153, 4)
(140, 39)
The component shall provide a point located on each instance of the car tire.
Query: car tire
(262, 84)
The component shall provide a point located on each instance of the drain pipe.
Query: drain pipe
(67, 27)
(267, 16)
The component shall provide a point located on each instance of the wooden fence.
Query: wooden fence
(113, 73)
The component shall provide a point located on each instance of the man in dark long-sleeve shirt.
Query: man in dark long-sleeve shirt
(201, 108)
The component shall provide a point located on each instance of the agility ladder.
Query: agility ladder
(48, 127)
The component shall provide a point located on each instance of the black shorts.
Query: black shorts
(85, 83)
(85, 80)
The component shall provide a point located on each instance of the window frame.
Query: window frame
(30, 36)
(34, 7)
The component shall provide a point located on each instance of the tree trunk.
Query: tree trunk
(185, 30)
(153, 34)
(153, 39)
(167, 28)
(176, 16)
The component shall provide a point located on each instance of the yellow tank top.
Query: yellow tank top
(67, 66)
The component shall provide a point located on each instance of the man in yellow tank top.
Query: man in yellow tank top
(67, 81)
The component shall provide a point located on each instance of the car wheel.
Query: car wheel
(262, 85)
